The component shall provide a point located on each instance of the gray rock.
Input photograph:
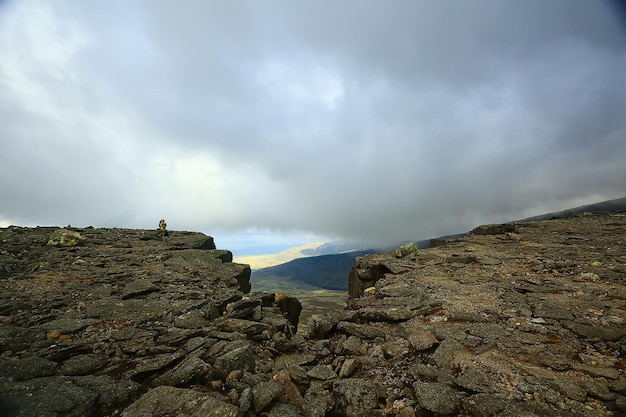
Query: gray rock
(484, 405)
(618, 386)
(610, 373)
(611, 333)
(112, 393)
(317, 401)
(426, 371)
(599, 389)
(48, 397)
(188, 370)
(323, 372)
(194, 319)
(243, 309)
(239, 359)
(437, 397)
(556, 361)
(319, 329)
(296, 373)
(224, 346)
(570, 388)
(240, 273)
(27, 368)
(361, 330)
(286, 410)
(516, 411)
(396, 347)
(354, 346)
(348, 367)
(422, 339)
(290, 308)
(68, 326)
(445, 352)
(64, 350)
(355, 397)
(19, 338)
(247, 327)
(458, 260)
(167, 401)
(264, 393)
(148, 366)
(138, 288)
(296, 358)
(386, 314)
(208, 243)
(245, 400)
(8, 307)
(135, 311)
(551, 310)
(402, 289)
(83, 364)
(366, 271)
(475, 379)
(620, 403)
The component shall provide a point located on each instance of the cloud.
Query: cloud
(358, 120)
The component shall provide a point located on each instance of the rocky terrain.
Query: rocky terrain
(523, 319)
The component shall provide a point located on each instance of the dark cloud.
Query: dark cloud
(355, 119)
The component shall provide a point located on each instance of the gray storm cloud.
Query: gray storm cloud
(361, 120)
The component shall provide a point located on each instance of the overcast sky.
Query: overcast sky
(382, 121)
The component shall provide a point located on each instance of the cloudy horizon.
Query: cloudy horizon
(302, 121)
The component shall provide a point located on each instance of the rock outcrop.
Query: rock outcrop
(95, 319)
(520, 319)
(523, 319)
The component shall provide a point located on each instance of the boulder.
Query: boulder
(317, 401)
(167, 401)
(264, 393)
(364, 275)
(239, 359)
(83, 364)
(65, 238)
(406, 250)
(355, 397)
(437, 397)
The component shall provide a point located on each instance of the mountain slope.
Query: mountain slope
(265, 261)
(326, 271)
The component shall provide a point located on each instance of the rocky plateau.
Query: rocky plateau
(520, 319)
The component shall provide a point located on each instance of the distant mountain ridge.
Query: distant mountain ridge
(273, 259)
(330, 271)
(261, 261)
(325, 271)
(618, 204)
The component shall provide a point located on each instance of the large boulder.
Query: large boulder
(65, 238)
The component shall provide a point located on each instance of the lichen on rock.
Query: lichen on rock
(65, 238)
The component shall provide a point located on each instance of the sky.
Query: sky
(286, 122)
